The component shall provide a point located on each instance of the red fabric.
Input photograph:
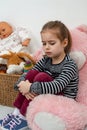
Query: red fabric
(21, 102)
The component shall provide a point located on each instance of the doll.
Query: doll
(15, 40)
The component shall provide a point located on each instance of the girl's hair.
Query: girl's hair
(61, 31)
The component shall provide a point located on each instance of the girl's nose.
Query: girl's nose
(47, 46)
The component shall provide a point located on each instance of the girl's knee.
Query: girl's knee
(31, 75)
(43, 77)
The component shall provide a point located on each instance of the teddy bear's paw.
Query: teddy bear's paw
(13, 69)
(48, 121)
(79, 58)
(10, 71)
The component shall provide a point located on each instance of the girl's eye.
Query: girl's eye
(44, 43)
(52, 43)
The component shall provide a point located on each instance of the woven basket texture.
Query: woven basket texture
(7, 92)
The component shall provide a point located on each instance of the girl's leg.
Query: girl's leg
(20, 98)
(31, 75)
(19, 101)
(42, 77)
(24, 106)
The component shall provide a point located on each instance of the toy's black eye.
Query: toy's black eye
(3, 30)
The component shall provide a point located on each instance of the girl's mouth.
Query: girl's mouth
(48, 53)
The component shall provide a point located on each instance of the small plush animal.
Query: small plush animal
(16, 61)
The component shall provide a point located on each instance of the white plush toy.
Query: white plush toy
(15, 40)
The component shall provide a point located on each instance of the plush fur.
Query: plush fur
(59, 111)
(16, 61)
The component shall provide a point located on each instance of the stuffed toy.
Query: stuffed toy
(15, 40)
(27, 66)
(16, 62)
(52, 112)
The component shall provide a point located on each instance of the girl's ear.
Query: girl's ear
(65, 42)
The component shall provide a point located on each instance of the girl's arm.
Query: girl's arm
(22, 78)
(69, 72)
(38, 66)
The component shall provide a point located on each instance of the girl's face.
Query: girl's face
(52, 46)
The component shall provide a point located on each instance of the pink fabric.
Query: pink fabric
(71, 112)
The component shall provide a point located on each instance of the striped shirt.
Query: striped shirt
(65, 75)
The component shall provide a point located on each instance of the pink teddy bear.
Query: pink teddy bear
(51, 112)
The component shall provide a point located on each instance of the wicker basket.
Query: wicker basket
(7, 92)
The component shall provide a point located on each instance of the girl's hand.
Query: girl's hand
(24, 87)
(30, 96)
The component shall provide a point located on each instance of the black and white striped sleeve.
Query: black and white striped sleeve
(56, 86)
(40, 65)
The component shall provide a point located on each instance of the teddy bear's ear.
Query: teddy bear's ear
(82, 28)
(79, 58)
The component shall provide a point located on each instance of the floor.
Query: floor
(4, 110)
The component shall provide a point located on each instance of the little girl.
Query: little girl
(56, 73)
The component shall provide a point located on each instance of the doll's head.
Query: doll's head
(5, 29)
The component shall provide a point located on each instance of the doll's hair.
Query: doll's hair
(61, 31)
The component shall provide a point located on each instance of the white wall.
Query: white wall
(34, 13)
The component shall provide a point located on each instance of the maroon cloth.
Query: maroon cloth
(33, 75)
